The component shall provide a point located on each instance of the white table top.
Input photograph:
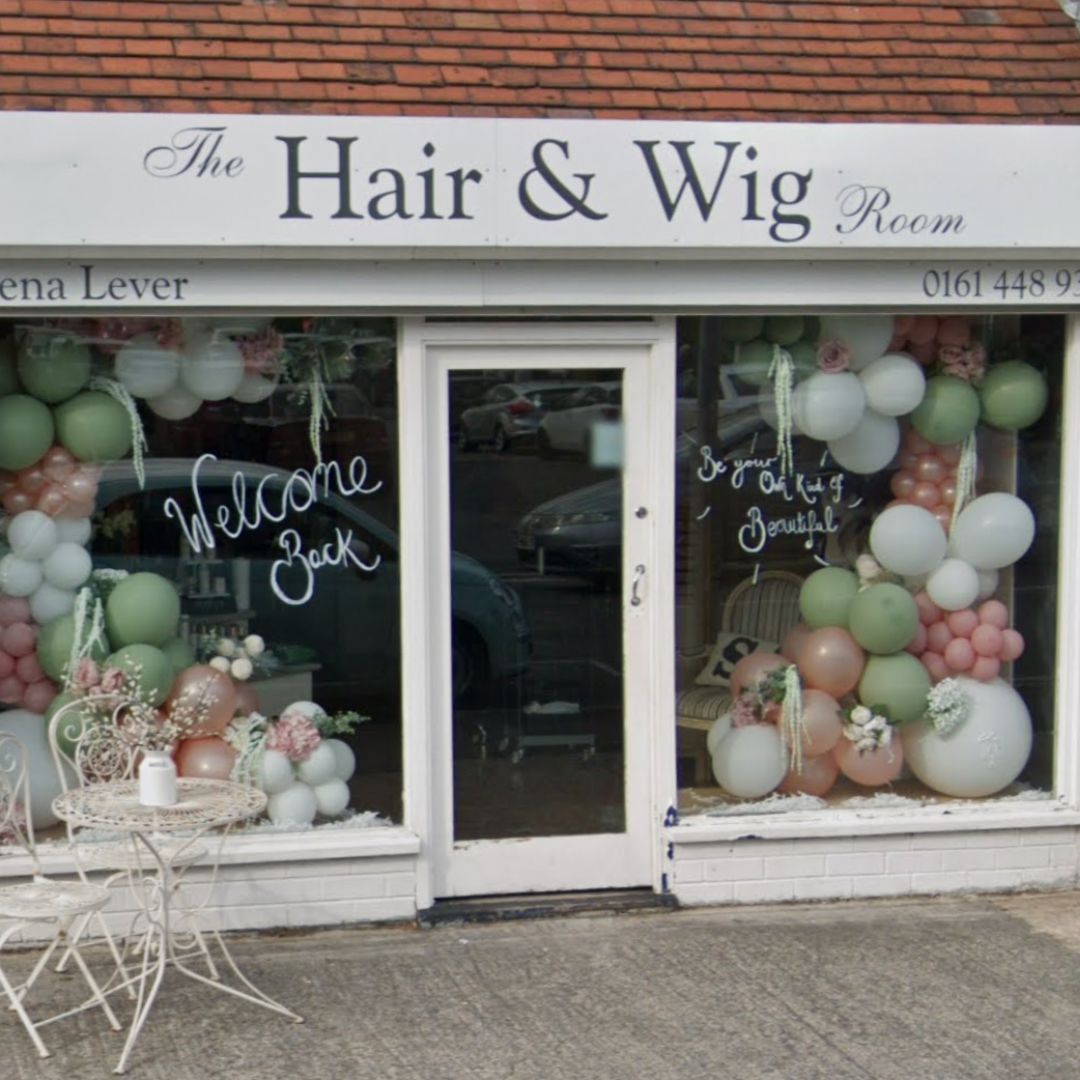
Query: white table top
(201, 804)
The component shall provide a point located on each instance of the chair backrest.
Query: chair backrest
(87, 743)
(15, 821)
(765, 607)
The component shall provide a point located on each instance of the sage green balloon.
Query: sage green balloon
(179, 653)
(883, 618)
(143, 609)
(899, 684)
(783, 329)
(94, 427)
(948, 411)
(1013, 395)
(26, 430)
(741, 328)
(804, 358)
(826, 597)
(752, 361)
(53, 368)
(54, 647)
(149, 670)
(9, 381)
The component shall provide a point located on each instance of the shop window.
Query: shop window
(244, 557)
(866, 559)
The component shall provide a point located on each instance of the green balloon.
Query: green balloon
(26, 431)
(54, 647)
(740, 328)
(149, 671)
(143, 609)
(94, 427)
(883, 619)
(9, 381)
(53, 368)
(826, 597)
(811, 329)
(899, 684)
(804, 358)
(752, 361)
(1013, 395)
(179, 653)
(948, 411)
(783, 329)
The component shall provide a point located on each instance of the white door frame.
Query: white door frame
(425, 589)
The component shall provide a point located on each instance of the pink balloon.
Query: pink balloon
(51, 501)
(74, 510)
(923, 330)
(926, 495)
(935, 666)
(986, 668)
(938, 636)
(959, 655)
(247, 700)
(918, 644)
(947, 488)
(925, 353)
(11, 690)
(58, 464)
(902, 484)
(817, 777)
(32, 480)
(908, 460)
(963, 622)
(930, 468)
(871, 768)
(902, 325)
(14, 609)
(987, 640)
(28, 669)
(17, 500)
(7, 665)
(950, 455)
(793, 642)
(750, 668)
(954, 330)
(208, 758)
(18, 639)
(915, 443)
(994, 613)
(79, 487)
(929, 612)
(1012, 645)
(202, 698)
(831, 660)
(822, 725)
(38, 696)
(943, 516)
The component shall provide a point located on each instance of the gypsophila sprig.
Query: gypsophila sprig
(947, 707)
(867, 728)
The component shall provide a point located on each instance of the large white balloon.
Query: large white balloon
(953, 585)
(73, 530)
(32, 731)
(344, 758)
(294, 806)
(894, 384)
(254, 388)
(213, 367)
(275, 772)
(720, 727)
(145, 368)
(68, 566)
(984, 754)
(870, 447)
(176, 404)
(867, 336)
(48, 603)
(829, 406)
(332, 797)
(993, 531)
(750, 761)
(318, 767)
(19, 577)
(32, 535)
(907, 540)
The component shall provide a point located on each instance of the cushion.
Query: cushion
(729, 649)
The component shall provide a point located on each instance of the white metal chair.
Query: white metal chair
(67, 905)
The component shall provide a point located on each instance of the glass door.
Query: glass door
(544, 530)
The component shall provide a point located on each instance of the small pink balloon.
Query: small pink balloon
(76, 510)
(935, 666)
(18, 639)
(831, 660)
(793, 642)
(817, 777)
(959, 654)
(51, 501)
(38, 695)
(79, 487)
(12, 690)
(871, 768)
(822, 725)
(986, 668)
(208, 758)
(915, 443)
(943, 516)
(58, 464)
(751, 667)
(938, 636)
(1012, 645)
(902, 325)
(930, 468)
(962, 622)
(7, 665)
(17, 500)
(902, 484)
(925, 353)
(908, 460)
(987, 640)
(929, 612)
(926, 495)
(28, 669)
(771, 714)
(994, 613)
(954, 330)
(950, 455)
(923, 330)
(14, 609)
(947, 487)
(247, 700)
(32, 480)
(918, 644)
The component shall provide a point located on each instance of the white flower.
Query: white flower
(241, 668)
(875, 724)
(886, 735)
(254, 645)
(867, 567)
(226, 647)
(861, 715)
(220, 663)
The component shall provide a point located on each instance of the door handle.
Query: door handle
(639, 574)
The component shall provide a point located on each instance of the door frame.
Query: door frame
(423, 440)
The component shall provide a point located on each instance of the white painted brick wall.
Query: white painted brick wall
(902, 863)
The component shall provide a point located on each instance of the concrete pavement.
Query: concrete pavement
(954, 989)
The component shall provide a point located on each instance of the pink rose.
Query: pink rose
(744, 714)
(87, 674)
(833, 356)
(112, 680)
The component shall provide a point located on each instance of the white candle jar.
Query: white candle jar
(157, 779)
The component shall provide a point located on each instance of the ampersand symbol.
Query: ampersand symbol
(576, 204)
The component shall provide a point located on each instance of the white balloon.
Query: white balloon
(293, 806)
(894, 384)
(73, 530)
(344, 758)
(907, 540)
(275, 772)
(332, 797)
(212, 367)
(984, 754)
(318, 767)
(952, 585)
(721, 726)
(750, 761)
(870, 447)
(305, 708)
(32, 535)
(867, 336)
(992, 531)
(68, 566)
(176, 404)
(32, 731)
(19, 577)
(48, 603)
(767, 409)
(145, 368)
(254, 388)
(988, 583)
(829, 406)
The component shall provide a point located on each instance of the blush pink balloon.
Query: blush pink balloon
(947, 488)
(935, 666)
(58, 464)
(1012, 645)
(959, 654)
(871, 768)
(902, 325)
(14, 609)
(7, 665)
(38, 695)
(751, 667)
(943, 516)
(908, 460)
(925, 495)
(914, 442)
(204, 695)
(950, 455)
(831, 660)
(79, 487)
(52, 501)
(794, 641)
(986, 668)
(923, 330)
(12, 690)
(930, 468)
(75, 510)
(28, 669)
(963, 622)
(918, 644)
(32, 480)
(924, 352)
(247, 700)
(17, 500)
(902, 484)
(994, 613)
(929, 612)
(987, 640)
(938, 636)
(18, 639)
(821, 723)
(954, 330)
(207, 758)
(817, 777)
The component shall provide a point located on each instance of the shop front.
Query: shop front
(543, 506)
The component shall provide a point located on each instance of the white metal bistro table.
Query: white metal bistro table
(201, 805)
